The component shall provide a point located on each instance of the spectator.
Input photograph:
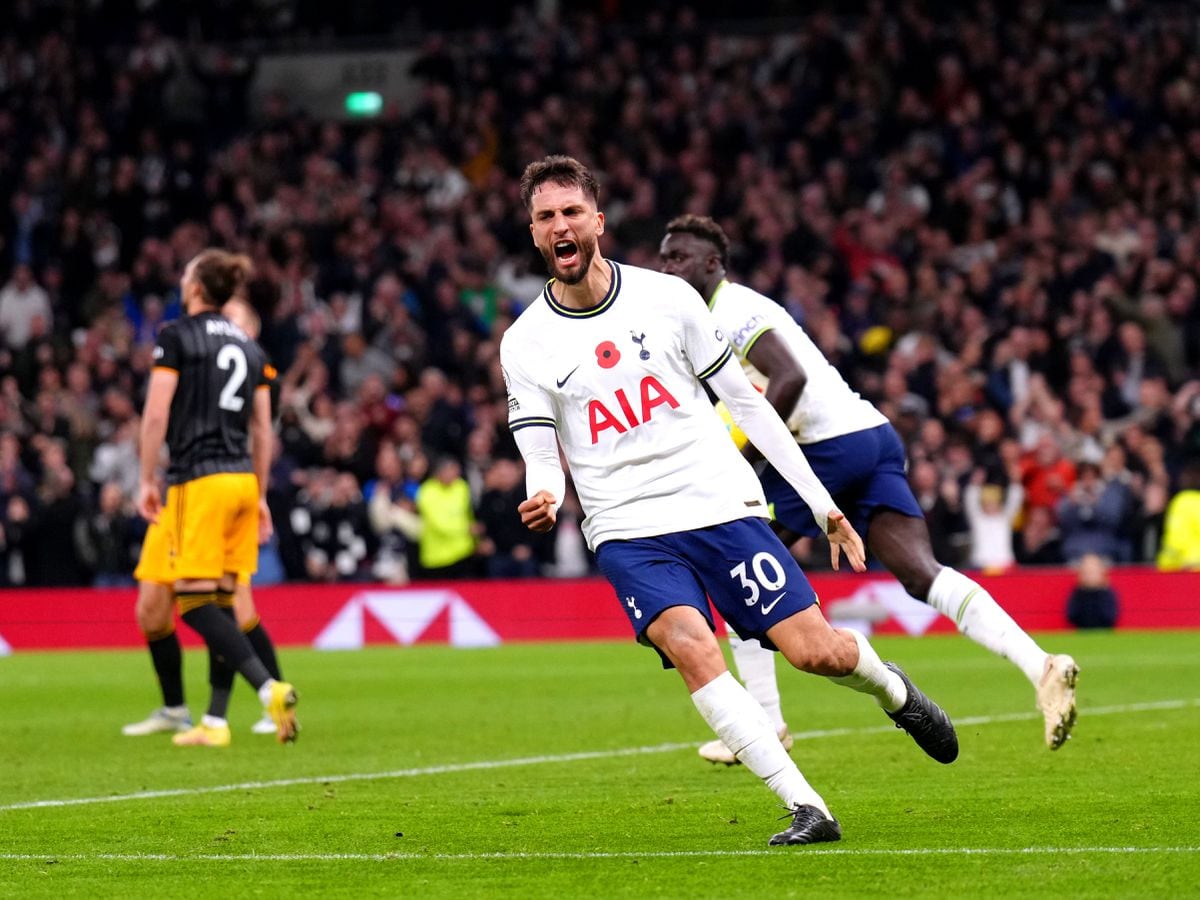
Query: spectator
(1181, 527)
(1046, 475)
(16, 541)
(107, 539)
(1093, 602)
(360, 361)
(941, 500)
(505, 544)
(1094, 515)
(991, 511)
(1038, 543)
(447, 542)
(116, 459)
(22, 303)
(393, 516)
(330, 522)
(15, 478)
(50, 556)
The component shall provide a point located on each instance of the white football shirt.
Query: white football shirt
(828, 407)
(621, 385)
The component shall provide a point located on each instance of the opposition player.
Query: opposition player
(156, 619)
(610, 362)
(855, 451)
(207, 395)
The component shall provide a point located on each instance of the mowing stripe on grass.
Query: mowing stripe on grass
(627, 854)
(451, 768)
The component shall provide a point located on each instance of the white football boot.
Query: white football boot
(1056, 698)
(160, 721)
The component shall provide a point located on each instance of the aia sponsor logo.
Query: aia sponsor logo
(623, 413)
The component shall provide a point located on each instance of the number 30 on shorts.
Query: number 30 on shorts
(766, 571)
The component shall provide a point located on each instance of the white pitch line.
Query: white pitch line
(483, 765)
(628, 854)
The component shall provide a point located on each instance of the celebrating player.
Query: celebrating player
(855, 451)
(611, 361)
(208, 392)
(156, 618)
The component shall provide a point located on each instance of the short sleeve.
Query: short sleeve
(528, 405)
(267, 374)
(168, 350)
(704, 343)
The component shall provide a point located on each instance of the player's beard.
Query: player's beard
(586, 250)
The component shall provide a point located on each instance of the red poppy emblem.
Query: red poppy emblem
(607, 355)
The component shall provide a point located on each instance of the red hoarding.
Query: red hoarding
(485, 613)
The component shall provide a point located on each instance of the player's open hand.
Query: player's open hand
(842, 536)
(149, 501)
(539, 515)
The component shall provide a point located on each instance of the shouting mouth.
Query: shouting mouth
(566, 253)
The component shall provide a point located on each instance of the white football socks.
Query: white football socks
(264, 692)
(872, 677)
(979, 617)
(743, 726)
(214, 721)
(756, 667)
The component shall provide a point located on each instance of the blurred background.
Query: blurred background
(985, 214)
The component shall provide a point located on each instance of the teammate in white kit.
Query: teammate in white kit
(858, 455)
(609, 361)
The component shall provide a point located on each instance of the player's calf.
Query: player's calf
(809, 643)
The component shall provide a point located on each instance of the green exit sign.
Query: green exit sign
(363, 103)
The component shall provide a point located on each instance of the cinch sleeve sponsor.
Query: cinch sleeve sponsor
(704, 343)
(747, 333)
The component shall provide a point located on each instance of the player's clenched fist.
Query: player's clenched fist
(842, 536)
(538, 513)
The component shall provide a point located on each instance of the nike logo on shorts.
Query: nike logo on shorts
(767, 607)
(569, 374)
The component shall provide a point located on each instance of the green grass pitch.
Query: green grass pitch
(565, 770)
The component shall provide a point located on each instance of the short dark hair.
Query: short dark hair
(221, 274)
(561, 170)
(704, 228)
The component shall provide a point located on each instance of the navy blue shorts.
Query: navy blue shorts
(864, 471)
(750, 576)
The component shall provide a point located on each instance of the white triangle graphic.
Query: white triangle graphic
(5, 649)
(467, 628)
(914, 616)
(406, 614)
(345, 631)
(879, 601)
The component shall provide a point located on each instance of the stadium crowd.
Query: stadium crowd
(987, 218)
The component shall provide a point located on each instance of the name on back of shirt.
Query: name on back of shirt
(222, 328)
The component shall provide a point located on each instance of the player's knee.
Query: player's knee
(687, 642)
(243, 608)
(823, 652)
(153, 608)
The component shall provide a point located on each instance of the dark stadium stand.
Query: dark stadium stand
(986, 218)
